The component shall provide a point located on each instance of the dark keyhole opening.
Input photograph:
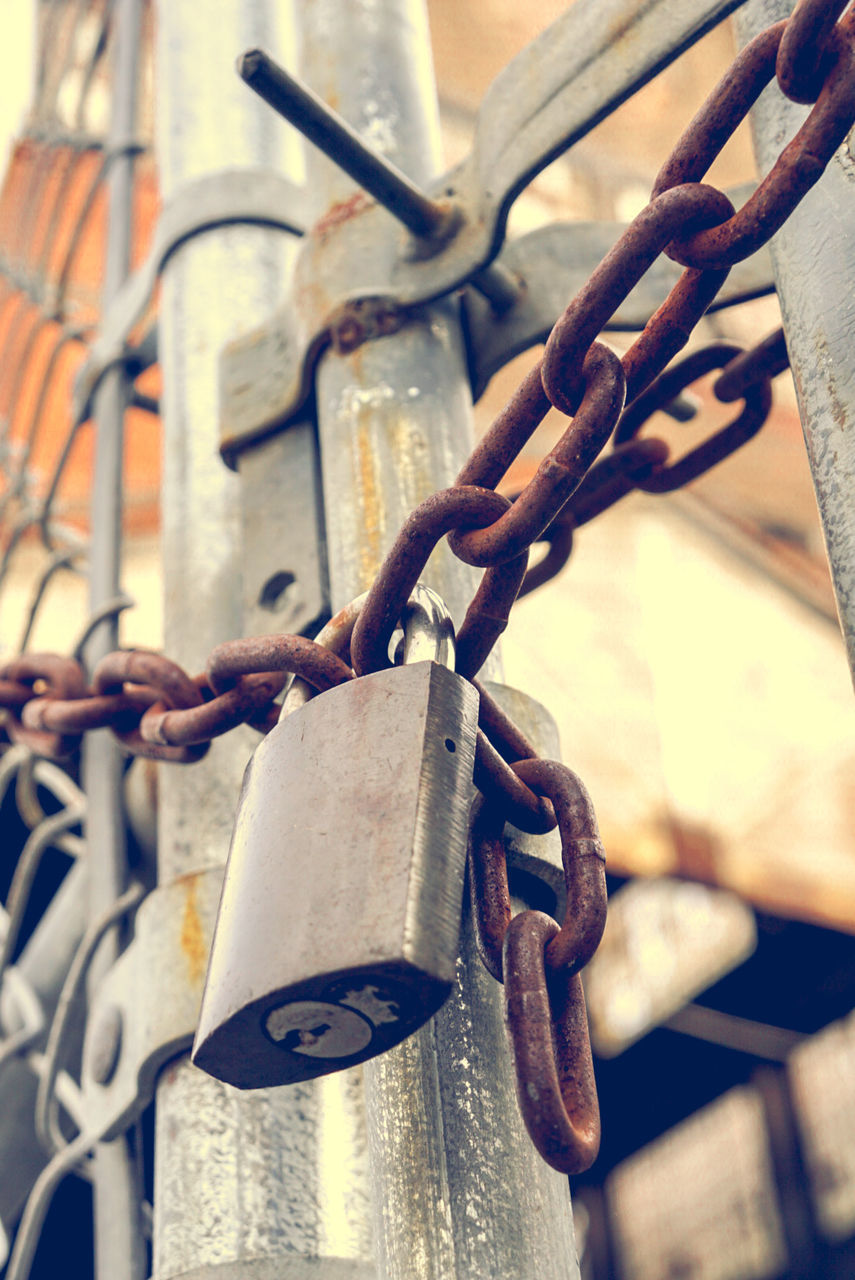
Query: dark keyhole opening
(305, 1035)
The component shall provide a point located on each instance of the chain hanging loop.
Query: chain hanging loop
(758, 402)
(551, 1048)
(539, 964)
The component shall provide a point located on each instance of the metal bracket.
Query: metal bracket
(555, 262)
(265, 376)
(573, 75)
(145, 1010)
(250, 196)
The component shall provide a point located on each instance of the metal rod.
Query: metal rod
(742, 1034)
(498, 285)
(457, 1189)
(120, 1252)
(263, 1183)
(812, 257)
(343, 145)
(382, 179)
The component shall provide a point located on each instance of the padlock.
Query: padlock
(338, 927)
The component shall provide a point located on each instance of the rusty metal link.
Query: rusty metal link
(584, 868)
(173, 688)
(516, 423)
(165, 726)
(500, 785)
(689, 207)
(242, 679)
(504, 734)
(539, 964)
(488, 613)
(758, 402)
(275, 655)
(239, 686)
(45, 675)
(559, 473)
(548, 1031)
(152, 705)
(760, 363)
(14, 694)
(807, 48)
(621, 471)
(799, 166)
(610, 479)
(462, 507)
(98, 711)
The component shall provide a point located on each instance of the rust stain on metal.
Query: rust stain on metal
(370, 554)
(194, 943)
(341, 212)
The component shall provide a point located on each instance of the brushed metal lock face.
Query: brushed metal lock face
(339, 921)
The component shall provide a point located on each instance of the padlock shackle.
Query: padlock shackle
(428, 629)
(428, 635)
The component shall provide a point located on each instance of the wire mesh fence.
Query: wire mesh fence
(54, 215)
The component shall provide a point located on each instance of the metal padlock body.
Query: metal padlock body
(347, 864)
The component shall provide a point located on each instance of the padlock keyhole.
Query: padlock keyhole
(302, 1037)
(318, 1029)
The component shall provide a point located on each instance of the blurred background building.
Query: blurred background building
(690, 653)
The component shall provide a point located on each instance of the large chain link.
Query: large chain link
(158, 710)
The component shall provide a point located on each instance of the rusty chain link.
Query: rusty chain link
(540, 963)
(157, 710)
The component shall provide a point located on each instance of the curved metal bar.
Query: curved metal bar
(25, 873)
(47, 1127)
(548, 1032)
(39, 1201)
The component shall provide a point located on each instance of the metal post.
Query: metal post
(458, 1191)
(812, 257)
(117, 1181)
(262, 1184)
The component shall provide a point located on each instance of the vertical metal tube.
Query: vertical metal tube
(117, 1184)
(813, 256)
(265, 1183)
(458, 1191)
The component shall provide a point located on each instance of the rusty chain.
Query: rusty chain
(157, 710)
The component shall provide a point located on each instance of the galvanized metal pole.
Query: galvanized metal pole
(120, 1252)
(813, 256)
(458, 1191)
(262, 1184)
